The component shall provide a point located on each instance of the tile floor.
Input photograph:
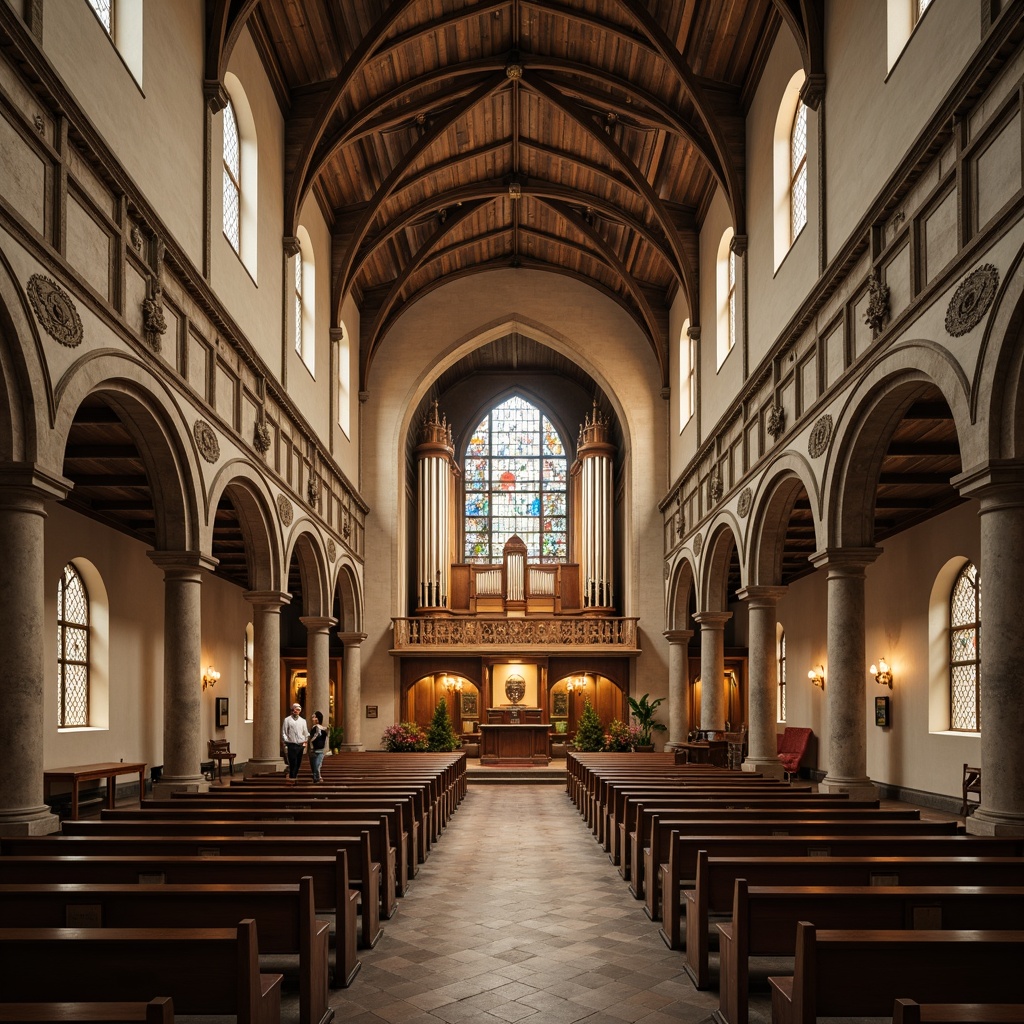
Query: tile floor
(519, 915)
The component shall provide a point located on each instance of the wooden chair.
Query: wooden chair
(971, 785)
(737, 748)
(220, 751)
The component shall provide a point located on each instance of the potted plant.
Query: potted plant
(589, 734)
(404, 738)
(441, 736)
(335, 735)
(642, 712)
(621, 737)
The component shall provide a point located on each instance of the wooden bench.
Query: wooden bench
(156, 1011)
(284, 915)
(204, 970)
(971, 789)
(845, 973)
(908, 1011)
(764, 920)
(703, 862)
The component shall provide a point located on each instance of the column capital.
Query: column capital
(33, 482)
(678, 636)
(317, 623)
(764, 596)
(352, 639)
(851, 561)
(712, 620)
(183, 564)
(998, 482)
(268, 597)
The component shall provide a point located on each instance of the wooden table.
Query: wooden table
(78, 774)
(714, 752)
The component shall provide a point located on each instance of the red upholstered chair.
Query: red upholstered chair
(792, 745)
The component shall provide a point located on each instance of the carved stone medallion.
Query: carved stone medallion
(332, 549)
(261, 437)
(746, 497)
(55, 310)
(776, 423)
(206, 440)
(698, 543)
(971, 300)
(285, 510)
(821, 433)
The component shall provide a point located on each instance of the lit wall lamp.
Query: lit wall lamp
(882, 673)
(579, 684)
(210, 676)
(452, 685)
(817, 676)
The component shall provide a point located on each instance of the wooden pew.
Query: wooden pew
(846, 973)
(908, 1011)
(284, 916)
(704, 863)
(204, 970)
(329, 874)
(156, 1011)
(764, 920)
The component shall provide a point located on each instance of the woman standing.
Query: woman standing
(317, 744)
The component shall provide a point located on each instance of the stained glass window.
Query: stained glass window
(72, 650)
(965, 651)
(798, 165)
(232, 176)
(105, 12)
(515, 473)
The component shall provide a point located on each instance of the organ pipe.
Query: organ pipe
(435, 477)
(595, 454)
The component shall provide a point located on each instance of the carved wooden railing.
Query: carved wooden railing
(419, 633)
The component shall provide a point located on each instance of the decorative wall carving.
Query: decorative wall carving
(715, 487)
(425, 632)
(206, 441)
(746, 499)
(261, 437)
(332, 549)
(346, 526)
(698, 543)
(136, 238)
(680, 518)
(313, 491)
(971, 300)
(285, 510)
(821, 433)
(55, 310)
(776, 423)
(153, 321)
(877, 312)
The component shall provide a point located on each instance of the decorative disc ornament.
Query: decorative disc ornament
(515, 688)
(971, 300)
(285, 510)
(55, 310)
(820, 435)
(206, 441)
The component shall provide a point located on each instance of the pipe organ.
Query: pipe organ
(594, 483)
(435, 521)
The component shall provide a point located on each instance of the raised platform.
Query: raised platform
(512, 773)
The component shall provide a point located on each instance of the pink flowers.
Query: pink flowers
(404, 737)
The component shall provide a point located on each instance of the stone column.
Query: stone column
(352, 690)
(763, 673)
(678, 689)
(846, 673)
(999, 487)
(183, 636)
(712, 669)
(318, 665)
(23, 493)
(267, 714)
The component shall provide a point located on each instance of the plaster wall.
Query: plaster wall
(155, 128)
(435, 332)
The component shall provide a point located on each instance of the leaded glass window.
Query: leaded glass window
(232, 177)
(105, 12)
(72, 650)
(247, 672)
(298, 303)
(922, 6)
(781, 709)
(732, 299)
(515, 483)
(965, 651)
(798, 165)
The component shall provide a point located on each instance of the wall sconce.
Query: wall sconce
(452, 685)
(579, 684)
(817, 676)
(882, 673)
(210, 676)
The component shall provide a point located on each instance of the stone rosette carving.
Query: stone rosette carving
(821, 434)
(285, 510)
(261, 437)
(971, 300)
(332, 549)
(776, 423)
(715, 487)
(746, 499)
(55, 310)
(206, 441)
(877, 313)
(698, 543)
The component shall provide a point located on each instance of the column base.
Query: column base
(262, 767)
(351, 748)
(991, 823)
(29, 821)
(856, 789)
(163, 789)
(769, 767)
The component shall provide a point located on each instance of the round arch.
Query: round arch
(723, 538)
(348, 598)
(681, 588)
(306, 547)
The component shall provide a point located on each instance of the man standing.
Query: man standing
(294, 733)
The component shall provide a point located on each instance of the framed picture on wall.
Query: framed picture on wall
(882, 711)
(470, 707)
(222, 712)
(560, 704)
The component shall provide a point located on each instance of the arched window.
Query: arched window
(965, 651)
(345, 382)
(798, 171)
(902, 17)
(726, 296)
(232, 160)
(515, 478)
(247, 672)
(687, 376)
(104, 10)
(122, 21)
(72, 650)
(781, 654)
(304, 302)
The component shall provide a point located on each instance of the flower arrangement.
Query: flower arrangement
(621, 737)
(403, 738)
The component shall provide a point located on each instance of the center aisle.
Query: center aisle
(518, 914)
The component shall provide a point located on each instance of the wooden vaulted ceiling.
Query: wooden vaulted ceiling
(445, 137)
